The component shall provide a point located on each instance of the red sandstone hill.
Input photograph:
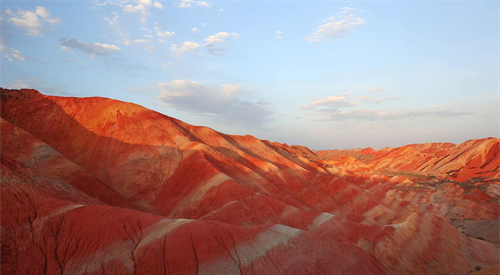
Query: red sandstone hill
(99, 186)
(476, 160)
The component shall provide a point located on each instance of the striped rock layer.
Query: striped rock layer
(99, 186)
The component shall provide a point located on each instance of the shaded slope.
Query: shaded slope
(31, 152)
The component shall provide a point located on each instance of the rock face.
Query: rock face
(99, 186)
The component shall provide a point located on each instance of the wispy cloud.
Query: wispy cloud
(113, 22)
(40, 61)
(337, 27)
(11, 54)
(125, 37)
(213, 50)
(225, 102)
(343, 107)
(141, 7)
(372, 115)
(91, 49)
(375, 100)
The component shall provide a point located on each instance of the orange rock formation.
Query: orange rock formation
(99, 186)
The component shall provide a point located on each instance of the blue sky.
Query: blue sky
(325, 74)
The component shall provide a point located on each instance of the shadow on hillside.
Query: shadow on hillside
(99, 154)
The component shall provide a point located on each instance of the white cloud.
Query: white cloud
(279, 35)
(33, 21)
(45, 14)
(225, 102)
(91, 49)
(220, 37)
(217, 39)
(158, 5)
(11, 53)
(142, 7)
(30, 22)
(66, 49)
(112, 21)
(203, 4)
(17, 54)
(184, 5)
(184, 47)
(164, 34)
(345, 10)
(191, 3)
(195, 30)
(204, 24)
(338, 27)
